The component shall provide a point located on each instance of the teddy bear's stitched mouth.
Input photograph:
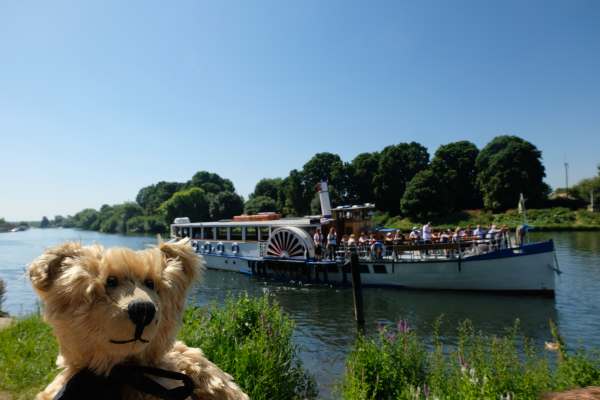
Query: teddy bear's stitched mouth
(128, 341)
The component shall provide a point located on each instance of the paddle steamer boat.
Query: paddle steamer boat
(283, 248)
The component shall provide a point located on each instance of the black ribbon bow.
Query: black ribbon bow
(87, 385)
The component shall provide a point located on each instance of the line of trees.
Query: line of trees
(400, 179)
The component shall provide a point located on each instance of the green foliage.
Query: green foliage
(211, 182)
(28, 361)
(251, 339)
(45, 222)
(397, 166)
(268, 187)
(395, 365)
(147, 223)
(224, 205)
(363, 169)
(258, 204)
(584, 187)
(454, 164)
(191, 203)
(293, 191)
(557, 218)
(508, 166)
(151, 197)
(425, 197)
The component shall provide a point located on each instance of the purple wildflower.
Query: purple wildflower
(403, 326)
(426, 391)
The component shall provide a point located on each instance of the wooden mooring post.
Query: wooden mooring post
(359, 315)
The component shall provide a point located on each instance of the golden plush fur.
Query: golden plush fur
(86, 291)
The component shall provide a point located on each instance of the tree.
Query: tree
(45, 223)
(324, 166)
(211, 182)
(398, 164)
(426, 196)
(508, 166)
(364, 167)
(151, 197)
(270, 187)
(454, 164)
(259, 204)
(225, 205)
(86, 219)
(59, 220)
(292, 188)
(191, 203)
(115, 218)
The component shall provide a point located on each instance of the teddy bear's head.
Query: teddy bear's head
(108, 306)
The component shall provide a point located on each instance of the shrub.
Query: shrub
(251, 339)
(394, 365)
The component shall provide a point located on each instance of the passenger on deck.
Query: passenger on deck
(318, 241)
(331, 243)
(479, 232)
(352, 241)
(427, 233)
(445, 236)
(398, 237)
(414, 235)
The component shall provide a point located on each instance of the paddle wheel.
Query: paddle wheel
(290, 243)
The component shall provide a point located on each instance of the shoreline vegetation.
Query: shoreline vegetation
(407, 186)
(251, 338)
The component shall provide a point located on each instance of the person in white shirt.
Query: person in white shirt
(427, 232)
(414, 234)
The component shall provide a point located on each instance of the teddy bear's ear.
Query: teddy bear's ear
(47, 267)
(182, 253)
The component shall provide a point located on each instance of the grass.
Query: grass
(557, 218)
(398, 365)
(250, 338)
(28, 355)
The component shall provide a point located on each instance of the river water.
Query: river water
(325, 330)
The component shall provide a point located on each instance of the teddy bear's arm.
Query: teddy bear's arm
(210, 381)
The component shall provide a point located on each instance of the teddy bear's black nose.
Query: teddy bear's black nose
(141, 313)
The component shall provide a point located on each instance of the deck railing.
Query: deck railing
(421, 250)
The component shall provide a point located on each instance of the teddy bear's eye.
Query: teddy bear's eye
(112, 281)
(149, 283)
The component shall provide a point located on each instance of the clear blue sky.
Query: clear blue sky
(100, 98)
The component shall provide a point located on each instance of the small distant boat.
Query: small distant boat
(268, 245)
(19, 228)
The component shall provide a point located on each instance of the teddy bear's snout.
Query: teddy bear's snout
(141, 313)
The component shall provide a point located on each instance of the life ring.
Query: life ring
(207, 247)
(235, 248)
(220, 248)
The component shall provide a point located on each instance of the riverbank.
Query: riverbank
(251, 338)
(545, 219)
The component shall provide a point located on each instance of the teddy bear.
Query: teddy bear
(115, 313)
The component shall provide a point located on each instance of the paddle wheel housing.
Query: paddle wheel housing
(290, 242)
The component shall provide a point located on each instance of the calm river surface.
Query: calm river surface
(325, 330)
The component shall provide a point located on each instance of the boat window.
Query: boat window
(364, 269)
(379, 269)
(251, 234)
(263, 233)
(196, 233)
(235, 233)
(221, 233)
